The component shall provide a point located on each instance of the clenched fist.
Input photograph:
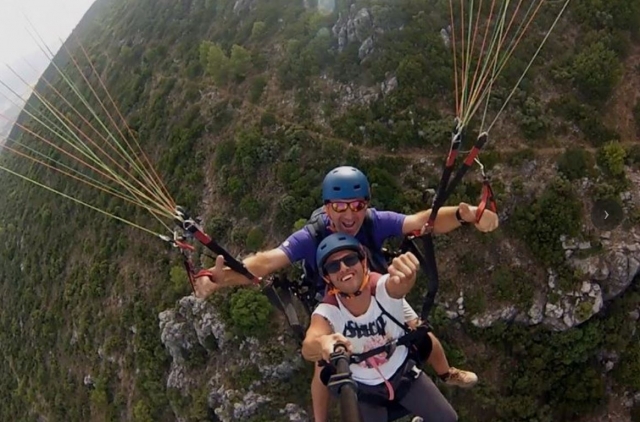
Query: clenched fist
(403, 269)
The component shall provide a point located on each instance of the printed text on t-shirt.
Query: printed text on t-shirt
(377, 327)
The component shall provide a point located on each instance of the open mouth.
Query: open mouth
(346, 278)
(348, 224)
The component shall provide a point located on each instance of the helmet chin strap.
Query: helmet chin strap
(333, 290)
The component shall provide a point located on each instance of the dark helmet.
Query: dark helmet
(345, 183)
(334, 243)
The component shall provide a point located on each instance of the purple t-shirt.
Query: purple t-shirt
(385, 224)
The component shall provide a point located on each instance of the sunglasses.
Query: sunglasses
(334, 266)
(355, 206)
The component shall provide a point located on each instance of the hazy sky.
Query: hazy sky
(53, 20)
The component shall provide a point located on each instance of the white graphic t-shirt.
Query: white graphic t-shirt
(370, 330)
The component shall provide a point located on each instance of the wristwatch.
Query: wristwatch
(459, 218)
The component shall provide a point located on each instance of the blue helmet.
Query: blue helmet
(334, 243)
(345, 183)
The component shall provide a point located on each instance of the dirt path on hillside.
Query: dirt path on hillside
(369, 152)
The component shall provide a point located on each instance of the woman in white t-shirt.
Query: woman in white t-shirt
(364, 311)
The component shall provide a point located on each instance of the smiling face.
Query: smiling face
(345, 271)
(347, 216)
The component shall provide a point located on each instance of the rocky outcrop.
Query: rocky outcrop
(192, 322)
(358, 26)
(194, 326)
(294, 413)
(234, 405)
(624, 268)
(606, 274)
(242, 6)
(566, 310)
(389, 85)
(615, 269)
(487, 319)
(571, 309)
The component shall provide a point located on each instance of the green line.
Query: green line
(499, 34)
(530, 62)
(86, 151)
(133, 162)
(79, 201)
(94, 183)
(74, 88)
(77, 172)
(502, 60)
(157, 182)
(498, 26)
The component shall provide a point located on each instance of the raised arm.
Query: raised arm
(447, 220)
(260, 265)
(297, 246)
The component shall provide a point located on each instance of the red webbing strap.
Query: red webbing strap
(487, 201)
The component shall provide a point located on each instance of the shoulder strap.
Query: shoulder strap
(316, 225)
(377, 260)
(330, 300)
(367, 226)
(374, 282)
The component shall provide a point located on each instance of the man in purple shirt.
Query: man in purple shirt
(380, 226)
(346, 196)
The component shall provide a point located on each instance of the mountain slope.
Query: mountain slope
(242, 106)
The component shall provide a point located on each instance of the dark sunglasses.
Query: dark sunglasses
(355, 206)
(334, 266)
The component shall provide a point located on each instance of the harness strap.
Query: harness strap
(189, 269)
(487, 200)
(445, 188)
(192, 226)
(281, 298)
(374, 365)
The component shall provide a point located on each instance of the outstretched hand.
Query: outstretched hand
(403, 269)
(206, 285)
(488, 222)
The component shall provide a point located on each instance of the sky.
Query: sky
(53, 20)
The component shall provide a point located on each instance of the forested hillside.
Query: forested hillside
(242, 106)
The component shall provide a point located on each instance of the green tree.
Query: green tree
(257, 30)
(240, 62)
(217, 64)
(249, 311)
(609, 14)
(611, 157)
(532, 120)
(251, 207)
(596, 70)
(179, 279)
(203, 52)
(557, 211)
(300, 223)
(410, 73)
(141, 412)
(255, 239)
(575, 163)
